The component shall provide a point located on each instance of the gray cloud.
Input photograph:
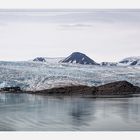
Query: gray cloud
(76, 25)
(70, 16)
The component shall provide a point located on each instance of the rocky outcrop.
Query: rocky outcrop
(119, 87)
(137, 89)
(114, 89)
(108, 64)
(11, 89)
(69, 90)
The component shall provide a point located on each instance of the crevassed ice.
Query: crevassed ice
(38, 76)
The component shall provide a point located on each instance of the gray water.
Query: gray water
(24, 112)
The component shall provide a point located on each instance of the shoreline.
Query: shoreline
(118, 89)
(76, 96)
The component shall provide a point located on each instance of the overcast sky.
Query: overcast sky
(104, 35)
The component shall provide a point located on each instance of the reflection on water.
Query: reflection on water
(78, 114)
(39, 113)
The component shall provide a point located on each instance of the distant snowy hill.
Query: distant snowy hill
(79, 58)
(39, 59)
(47, 59)
(130, 61)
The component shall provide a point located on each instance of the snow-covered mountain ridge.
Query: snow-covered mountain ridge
(80, 58)
(131, 61)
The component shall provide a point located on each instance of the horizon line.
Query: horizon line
(64, 57)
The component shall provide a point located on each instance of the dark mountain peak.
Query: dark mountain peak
(79, 58)
(78, 53)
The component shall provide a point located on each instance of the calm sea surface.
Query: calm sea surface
(24, 112)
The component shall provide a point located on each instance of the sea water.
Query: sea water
(25, 112)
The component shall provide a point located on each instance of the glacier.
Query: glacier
(32, 76)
